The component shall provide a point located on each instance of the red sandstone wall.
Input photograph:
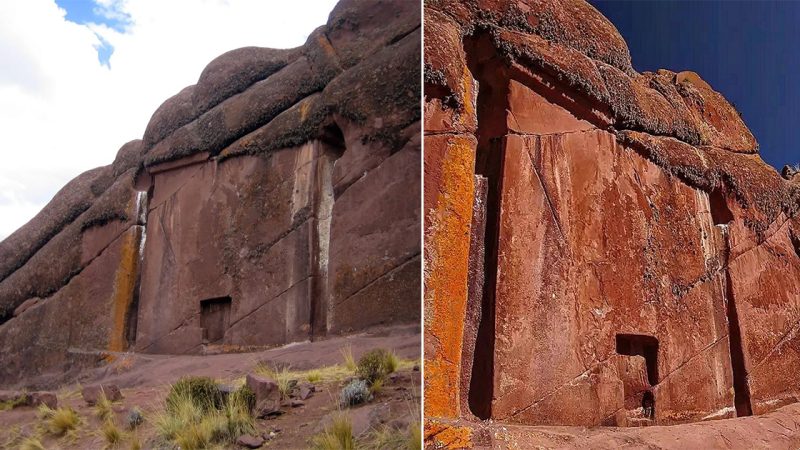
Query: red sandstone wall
(237, 228)
(48, 338)
(272, 234)
(287, 180)
(596, 241)
(626, 204)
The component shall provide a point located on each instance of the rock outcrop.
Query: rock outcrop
(276, 200)
(602, 247)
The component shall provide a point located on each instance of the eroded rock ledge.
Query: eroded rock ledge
(273, 201)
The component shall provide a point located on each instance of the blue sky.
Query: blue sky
(747, 50)
(79, 78)
(85, 12)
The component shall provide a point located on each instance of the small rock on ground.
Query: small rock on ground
(249, 441)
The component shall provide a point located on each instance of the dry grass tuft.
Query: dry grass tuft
(284, 377)
(314, 376)
(112, 434)
(31, 443)
(188, 423)
(349, 360)
(103, 409)
(58, 422)
(136, 444)
(337, 436)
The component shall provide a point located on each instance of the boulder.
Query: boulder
(268, 397)
(249, 441)
(44, 398)
(92, 394)
(305, 390)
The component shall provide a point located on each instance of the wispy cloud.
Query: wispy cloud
(67, 108)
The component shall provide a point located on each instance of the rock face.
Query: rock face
(602, 247)
(276, 200)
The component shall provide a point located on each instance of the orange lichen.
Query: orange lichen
(446, 256)
(326, 45)
(125, 363)
(440, 436)
(124, 284)
(304, 107)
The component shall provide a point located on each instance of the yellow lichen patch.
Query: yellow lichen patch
(326, 46)
(124, 284)
(447, 231)
(304, 107)
(439, 435)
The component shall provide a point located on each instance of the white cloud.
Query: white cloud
(62, 112)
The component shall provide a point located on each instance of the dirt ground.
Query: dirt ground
(776, 430)
(145, 381)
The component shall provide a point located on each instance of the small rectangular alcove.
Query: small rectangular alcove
(720, 213)
(641, 345)
(214, 313)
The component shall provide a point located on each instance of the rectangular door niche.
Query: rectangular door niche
(214, 317)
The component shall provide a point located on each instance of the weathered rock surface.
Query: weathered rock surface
(249, 441)
(48, 399)
(602, 247)
(274, 201)
(92, 394)
(268, 397)
(775, 430)
(14, 399)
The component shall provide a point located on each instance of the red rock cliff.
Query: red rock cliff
(602, 246)
(276, 200)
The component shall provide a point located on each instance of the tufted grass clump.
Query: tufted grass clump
(349, 360)
(245, 397)
(192, 421)
(103, 409)
(60, 421)
(389, 438)
(414, 436)
(283, 377)
(391, 362)
(136, 443)
(337, 436)
(20, 400)
(376, 364)
(237, 413)
(111, 433)
(203, 392)
(31, 443)
(314, 376)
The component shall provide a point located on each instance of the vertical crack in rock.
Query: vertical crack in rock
(741, 389)
(132, 315)
(795, 238)
(492, 102)
(481, 390)
(329, 150)
(476, 282)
